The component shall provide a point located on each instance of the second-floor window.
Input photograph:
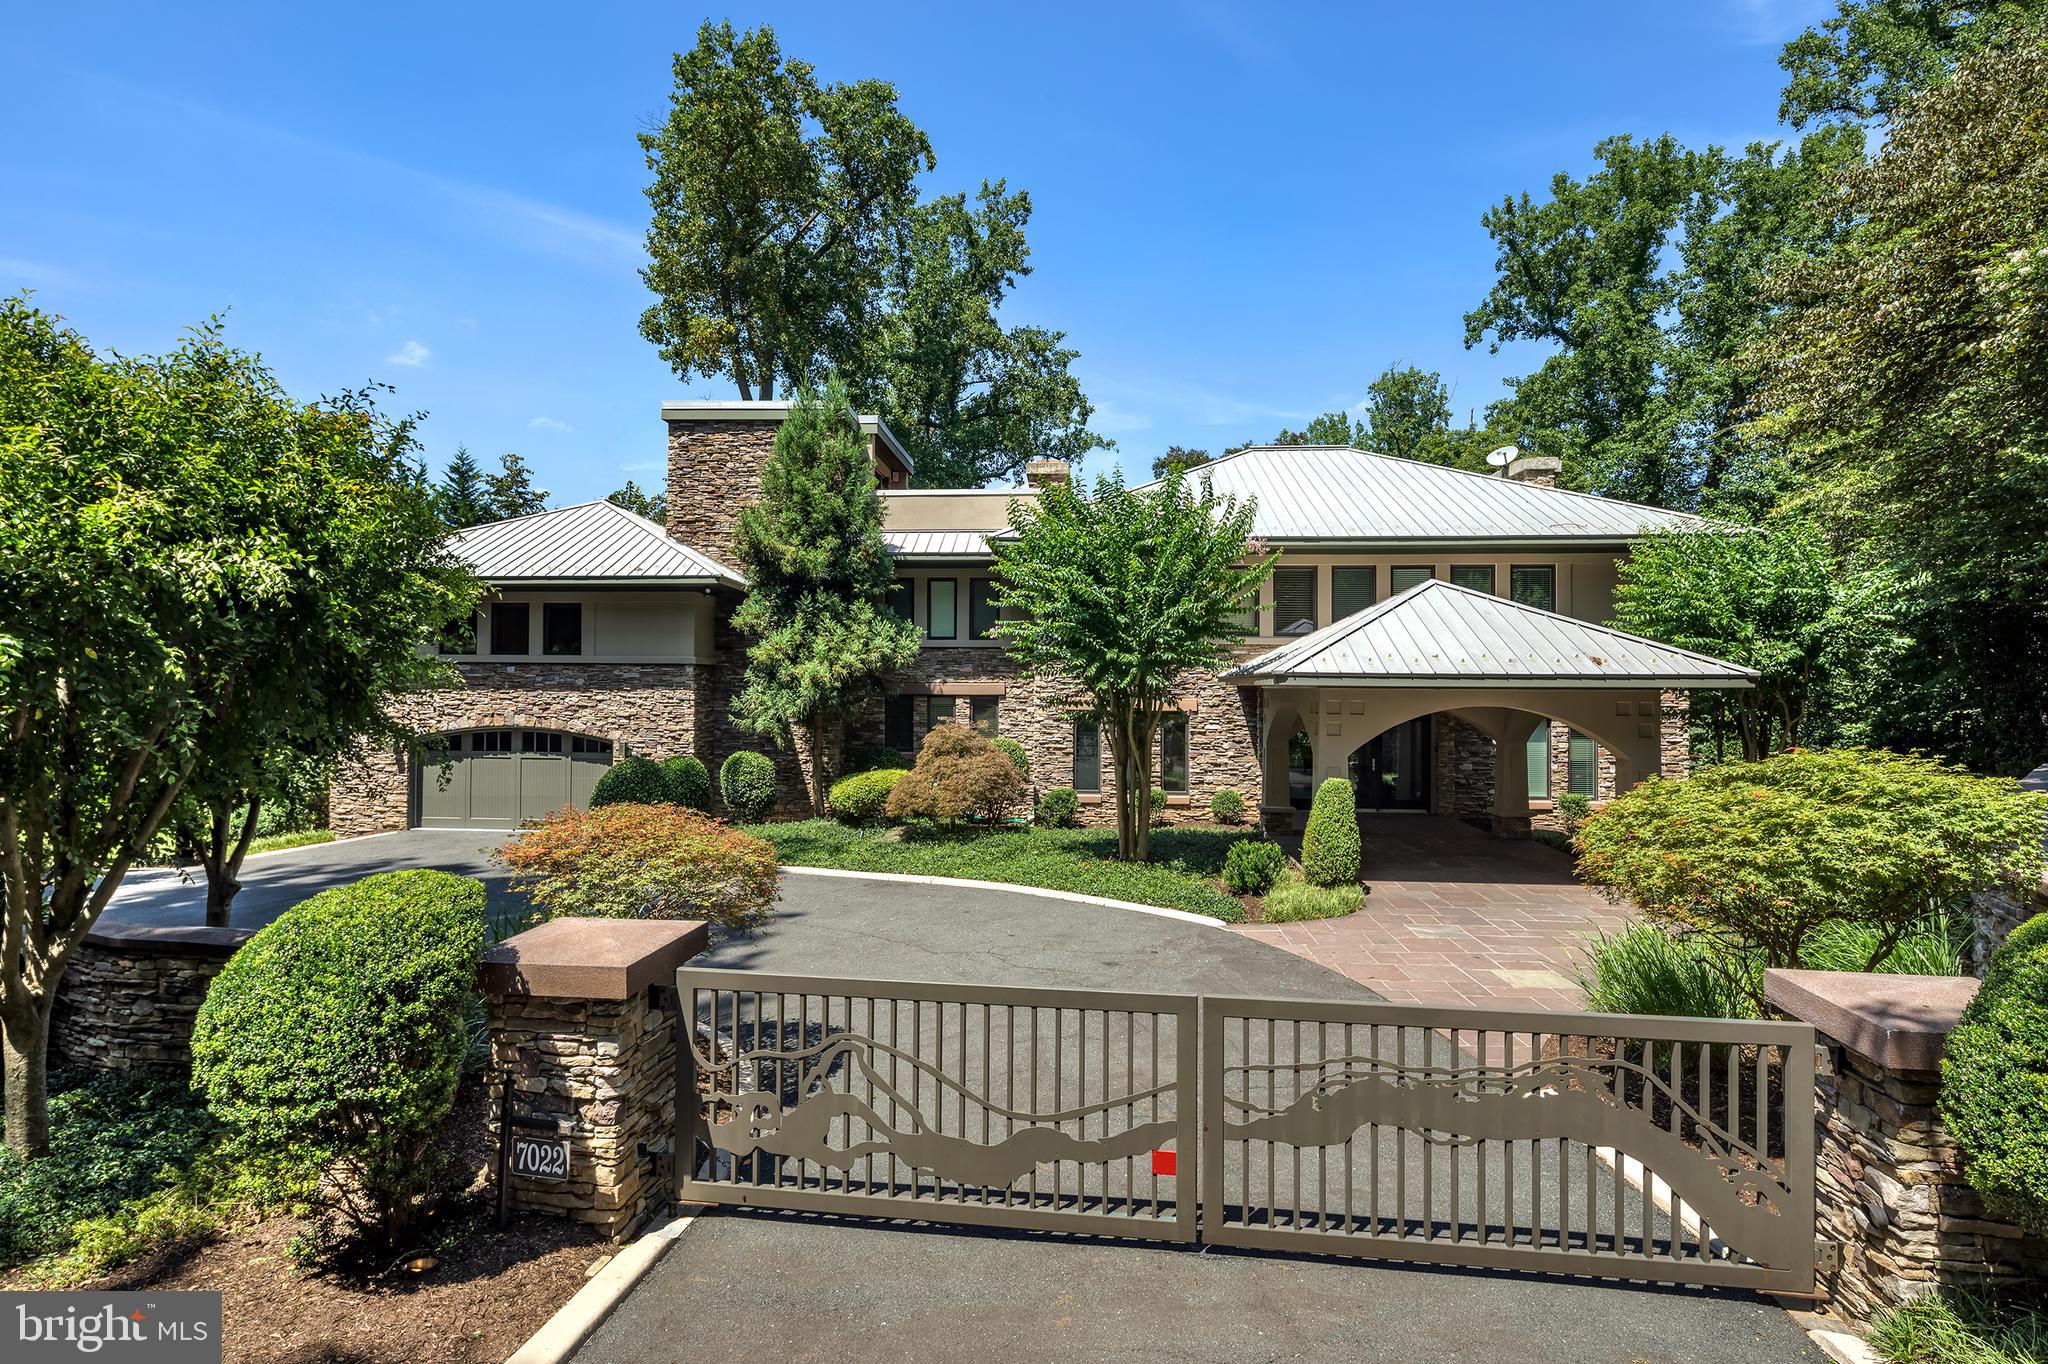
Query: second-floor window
(1351, 591)
(1534, 585)
(981, 607)
(561, 628)
(459, 636)
(1401, 577)
(903, 598)
(1478, 577)
(509, 627)
(1294, 601)
(942, 608)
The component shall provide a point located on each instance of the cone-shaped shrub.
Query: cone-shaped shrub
(1330, 848)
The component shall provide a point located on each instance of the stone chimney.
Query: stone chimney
(1043, 473)
(1542, 470)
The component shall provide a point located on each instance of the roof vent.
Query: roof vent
(1041, 473)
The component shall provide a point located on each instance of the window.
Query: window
(459, 636)
(539, 741)
(1534, 585)
(981, 607)
(508, 627)
(1248, 615)
(903, 598)
(491, 741)
(1087, 756)
(1478, 577)
(942, 608)
(1539, 762)
(981, 713)
(899, 727)
(1404, 576)
(1294, 601)
(561, 628)
(601, 747)
(1173, 755)
(1351, 591)
(937, 710)
(443, 743)
(1583, 766)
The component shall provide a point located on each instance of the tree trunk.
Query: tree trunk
(222, 858)
(25, 1036)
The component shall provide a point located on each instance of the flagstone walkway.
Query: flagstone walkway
(1457, 916)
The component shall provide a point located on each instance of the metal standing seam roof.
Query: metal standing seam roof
(1338, 493)
(589, 542)
(1440, 634)
(936, 544)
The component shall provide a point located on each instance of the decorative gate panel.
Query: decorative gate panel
(1067, 1110)
(1644, 1148)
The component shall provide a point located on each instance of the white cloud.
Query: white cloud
(642, 466)
(412, 355)
(1113, 420)
(548, 424)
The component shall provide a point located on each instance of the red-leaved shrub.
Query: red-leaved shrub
(643, 862)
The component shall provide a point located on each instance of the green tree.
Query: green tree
(818, 582)
(1872, 56)
(1408, 413)
(653, 506)
(774, 198)
(1910, 375)
(971, 400)
(461, 494)
(1331, 428)
(1818, 634)
(510, 491)
(1179, 458)
(1116, 596)
(196, 567)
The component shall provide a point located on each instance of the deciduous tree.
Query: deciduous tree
(652, 505)
(510, 491)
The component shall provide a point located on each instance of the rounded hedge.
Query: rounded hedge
(1227, 806)
(1251, 867)
(689, 785)
(1994, 1080)
(747, 781)
(1059, 808)
(1330, 847)
(336, 1036)
(863, 798)
(631, 781)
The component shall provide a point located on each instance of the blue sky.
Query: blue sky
(1243, 212)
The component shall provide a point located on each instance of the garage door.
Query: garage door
(500, 778)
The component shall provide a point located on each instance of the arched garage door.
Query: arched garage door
(500, 778)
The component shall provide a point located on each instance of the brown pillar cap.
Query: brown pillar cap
(592, 958)
(1900, 1022)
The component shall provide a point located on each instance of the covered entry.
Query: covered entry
(500, 778)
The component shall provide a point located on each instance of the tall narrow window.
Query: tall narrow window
(1401, 577)
(1583, 766)
(942, 608)
(1294, 601)
(561, 628)
(1087, 756)
(981, 713)
(903, 598)
(1173, 755)
(1351, 591)
(509, 627)
(899, 729)
(1539, 762)
(981, 607)
(1478, 577)
(1534, 585)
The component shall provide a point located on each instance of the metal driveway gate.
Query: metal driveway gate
(1677, 1150)
(1668, 1149)
(1065, 1110)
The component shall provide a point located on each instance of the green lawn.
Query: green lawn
(302, 838)
(1182, 875)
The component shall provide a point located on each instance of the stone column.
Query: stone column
(583, 1020)
(131, 993)
(1892, 1197)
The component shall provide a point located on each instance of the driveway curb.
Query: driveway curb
(1042, 892)
(572, 1323)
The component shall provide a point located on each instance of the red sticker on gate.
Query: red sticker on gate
(1164, 1163)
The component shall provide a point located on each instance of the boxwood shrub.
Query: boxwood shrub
(1227, 806)
(1251, 868)
(1994, 1080)
(863, 798)
(747, 781)
(689, 785)
(1330, 846)
(1059, 808)
(336, 1037)
(631, 781)
(1014, 751)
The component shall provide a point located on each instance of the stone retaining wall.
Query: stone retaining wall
(129, 997)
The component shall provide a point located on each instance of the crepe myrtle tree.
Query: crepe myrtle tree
(1118, 593)
(198, 571)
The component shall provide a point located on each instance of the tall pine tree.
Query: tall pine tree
(460, 495)
(819, 575)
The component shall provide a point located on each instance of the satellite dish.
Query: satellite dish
(1503, 457)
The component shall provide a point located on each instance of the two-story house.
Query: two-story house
(1433, 635)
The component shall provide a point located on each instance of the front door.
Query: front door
(1392, 771)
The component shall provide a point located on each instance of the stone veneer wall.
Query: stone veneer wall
(1892, 1194)
(130, 995)
(714, 471)
(650, 708)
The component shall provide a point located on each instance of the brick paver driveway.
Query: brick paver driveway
(1458, 917)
